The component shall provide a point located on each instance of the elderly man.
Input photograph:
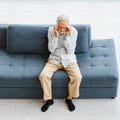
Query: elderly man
(61, 44)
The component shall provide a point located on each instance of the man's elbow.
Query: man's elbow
(69, 51)
(51, 50)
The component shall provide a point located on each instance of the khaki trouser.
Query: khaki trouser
(73, 72)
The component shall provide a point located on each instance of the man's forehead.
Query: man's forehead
(62, 24)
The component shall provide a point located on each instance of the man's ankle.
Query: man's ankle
(69, 97)
(46, 105)
(70, 104)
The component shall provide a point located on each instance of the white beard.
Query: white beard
(62, 33)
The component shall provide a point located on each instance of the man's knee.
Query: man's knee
(78, 77)
(43, 76)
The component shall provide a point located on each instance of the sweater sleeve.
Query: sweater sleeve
(70, 42)
(52, 41)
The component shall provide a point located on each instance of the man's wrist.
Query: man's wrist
(67, 37)
(56, 34)
(56, 38)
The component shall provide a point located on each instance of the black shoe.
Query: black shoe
(71, 106)
(46, 105)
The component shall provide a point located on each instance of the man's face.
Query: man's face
(62, 26)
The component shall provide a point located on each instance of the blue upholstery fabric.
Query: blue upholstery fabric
(27, 39)
(3, 35)
(84, 38)
(33, 39)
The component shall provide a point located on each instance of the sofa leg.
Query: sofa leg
(112, 97)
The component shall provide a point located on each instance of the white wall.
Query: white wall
(102, 15)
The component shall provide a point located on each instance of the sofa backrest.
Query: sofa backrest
(27, 39)
(3, 35)
(33, 38)
(84, 38)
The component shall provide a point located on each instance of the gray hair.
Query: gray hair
(63, 18)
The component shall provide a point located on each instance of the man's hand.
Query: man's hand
(56, 31)
(68, 30)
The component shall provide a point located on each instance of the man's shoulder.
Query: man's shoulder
(50, 28)
(74, 29)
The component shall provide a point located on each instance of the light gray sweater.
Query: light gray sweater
(63, 48)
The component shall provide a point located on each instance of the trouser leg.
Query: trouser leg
(45, 79)
(75, 76)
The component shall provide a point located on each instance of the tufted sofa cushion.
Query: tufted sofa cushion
(33, 39)
(98, 67)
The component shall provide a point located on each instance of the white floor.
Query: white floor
(86, 109)
(104, 18)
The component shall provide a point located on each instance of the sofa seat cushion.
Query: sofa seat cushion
(98, 67)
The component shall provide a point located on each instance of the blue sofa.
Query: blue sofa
(24, 52)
